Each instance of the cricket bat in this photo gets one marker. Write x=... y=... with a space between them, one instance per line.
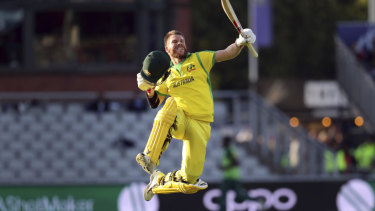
x=233 y=18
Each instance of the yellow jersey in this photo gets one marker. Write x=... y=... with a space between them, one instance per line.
x=189 y=84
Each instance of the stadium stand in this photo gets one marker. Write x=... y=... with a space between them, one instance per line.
x=62 y=142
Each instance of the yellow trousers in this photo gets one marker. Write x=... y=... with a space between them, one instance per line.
x=195 y=135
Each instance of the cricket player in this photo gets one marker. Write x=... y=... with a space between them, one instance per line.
x=187 y=112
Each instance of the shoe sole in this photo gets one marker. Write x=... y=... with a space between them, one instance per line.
x=143 y=163
x=147 y=193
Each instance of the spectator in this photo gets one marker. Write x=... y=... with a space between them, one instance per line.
x=365 y=154
x=345 y=160
x=231 y=171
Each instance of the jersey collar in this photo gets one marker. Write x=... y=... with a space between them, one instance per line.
x=178 y=66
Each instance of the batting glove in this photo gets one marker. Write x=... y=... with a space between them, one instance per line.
x=249 y=37
x=143 y=84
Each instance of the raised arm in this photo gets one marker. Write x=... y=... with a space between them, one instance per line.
x=228 y=53
x=235 y=48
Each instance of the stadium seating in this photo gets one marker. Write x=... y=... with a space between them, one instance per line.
x=62 y=142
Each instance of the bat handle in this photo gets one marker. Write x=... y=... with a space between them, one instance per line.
x=252 y=50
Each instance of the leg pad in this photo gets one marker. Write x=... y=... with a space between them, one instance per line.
x=160 y=130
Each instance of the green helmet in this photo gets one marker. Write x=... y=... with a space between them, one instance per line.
x=155 y=65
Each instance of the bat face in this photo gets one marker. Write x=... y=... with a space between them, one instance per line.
x=227 y=7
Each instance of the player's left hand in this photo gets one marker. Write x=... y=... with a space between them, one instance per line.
x=249 y=37
x=143 y=84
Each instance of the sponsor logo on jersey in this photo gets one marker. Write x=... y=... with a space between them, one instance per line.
x=183 y=82
x=190 y=67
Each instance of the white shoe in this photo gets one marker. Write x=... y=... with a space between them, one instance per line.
x=144 y=161
x=147 y=193
x=201 y=184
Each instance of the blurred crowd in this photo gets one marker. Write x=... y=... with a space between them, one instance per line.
x=348 y=153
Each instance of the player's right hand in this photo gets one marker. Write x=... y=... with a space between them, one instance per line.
x=249 y=37
x=143 y=84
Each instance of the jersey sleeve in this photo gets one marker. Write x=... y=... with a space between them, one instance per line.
x=162 y=90
x=207 y=59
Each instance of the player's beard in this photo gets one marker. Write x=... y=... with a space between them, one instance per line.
x=178 y=55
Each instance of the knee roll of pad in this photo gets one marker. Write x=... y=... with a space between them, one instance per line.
x=168 y=113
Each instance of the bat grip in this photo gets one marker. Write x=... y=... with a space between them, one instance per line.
x=249 y=45
x=252 y=50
